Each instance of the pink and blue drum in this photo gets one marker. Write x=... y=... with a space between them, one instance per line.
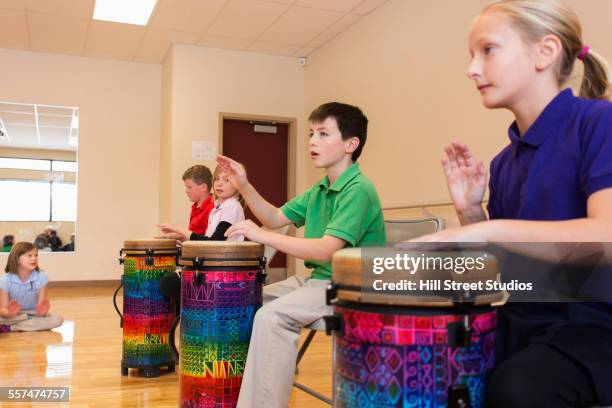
x=415 y=350
x=147 y=313
x=221 y=290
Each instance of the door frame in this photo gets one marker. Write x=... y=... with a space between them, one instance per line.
x=291 y=158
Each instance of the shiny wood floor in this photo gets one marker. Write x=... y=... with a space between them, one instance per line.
x=85 y=354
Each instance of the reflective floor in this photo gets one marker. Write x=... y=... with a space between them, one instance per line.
x=85 y=355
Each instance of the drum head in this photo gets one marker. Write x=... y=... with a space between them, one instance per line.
x=218 y=252
x=352 y=272
x=149 y=243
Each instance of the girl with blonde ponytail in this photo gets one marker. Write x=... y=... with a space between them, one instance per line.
x=552 y=183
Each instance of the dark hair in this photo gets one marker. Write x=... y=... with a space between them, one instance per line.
x=41 y=241
x=8 y=240
x=200 y=174
x=350 y=119
x=20 y=248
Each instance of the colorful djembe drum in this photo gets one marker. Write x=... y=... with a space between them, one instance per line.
x=221 y=289
x=413 y=350
x=147 y=313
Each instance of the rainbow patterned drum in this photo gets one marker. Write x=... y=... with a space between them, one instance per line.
x=147 y=313
x=221 y=289
x=409 y=350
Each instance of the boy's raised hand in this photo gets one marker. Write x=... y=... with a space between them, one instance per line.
x=13 y=308
x=43 y=307
x=234 y=170
x=465 y=177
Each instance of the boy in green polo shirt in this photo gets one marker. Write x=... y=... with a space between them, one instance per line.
x=341 y=210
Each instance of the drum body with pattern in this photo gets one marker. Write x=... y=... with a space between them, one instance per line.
x=411 y=350
x=147 y=313
x=221 y=290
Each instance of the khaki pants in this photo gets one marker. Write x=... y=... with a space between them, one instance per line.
x=288 y=306
x=23 y=322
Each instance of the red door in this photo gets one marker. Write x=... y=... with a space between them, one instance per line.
x=265 y=157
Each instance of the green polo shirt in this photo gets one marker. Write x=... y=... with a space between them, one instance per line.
x=349 y=209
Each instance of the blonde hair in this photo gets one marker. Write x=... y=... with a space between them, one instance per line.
x=218 y=170
x=20 y=248
x=538 y=18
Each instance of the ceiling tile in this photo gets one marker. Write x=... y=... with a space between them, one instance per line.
x=68 y=8
x=246 y=18
x=335 y=5
x=368 y=6
x=334 y=30
x=57 y=34
x=13 y=29
x=113 y=40
x=54 y=121
x=192 y=16
x=13 y=118
x=300 y=25
x=273 y=48
x=303 y=52
x=225 y=42
x=15 y=107
x=12 y=5
x=22 y=134
x=156 y=42
x=54 y=110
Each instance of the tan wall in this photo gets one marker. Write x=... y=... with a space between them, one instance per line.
x=405 y=66
x=165 y=168
x=200 y=83
x=120 y=107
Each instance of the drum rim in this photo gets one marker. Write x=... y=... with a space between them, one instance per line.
x=149 y=243
x=460 y=309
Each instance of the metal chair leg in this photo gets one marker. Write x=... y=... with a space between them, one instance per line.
x=299 y=386
x=304 y=346
x=313 y=393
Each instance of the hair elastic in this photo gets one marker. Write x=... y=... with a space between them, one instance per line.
x=584 y=52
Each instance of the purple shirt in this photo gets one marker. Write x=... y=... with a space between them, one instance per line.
x=548 y=174
x=564 y=157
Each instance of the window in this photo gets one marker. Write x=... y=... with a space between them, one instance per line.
x=44 y=199
x=69 y=166
x=24 y=164
x=63 y=202
x=33 y=199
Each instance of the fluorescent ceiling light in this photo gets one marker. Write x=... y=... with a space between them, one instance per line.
x=124 y=11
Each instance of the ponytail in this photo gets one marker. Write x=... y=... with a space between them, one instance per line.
x=596 y=81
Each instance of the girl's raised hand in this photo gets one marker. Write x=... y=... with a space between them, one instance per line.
x=167 y=228
x=13 y=308
x=234 y=170
x=168 y=231
x=43 y=307
x=465 y=177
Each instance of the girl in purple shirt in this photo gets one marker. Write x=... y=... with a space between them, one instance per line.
x=553 y=183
